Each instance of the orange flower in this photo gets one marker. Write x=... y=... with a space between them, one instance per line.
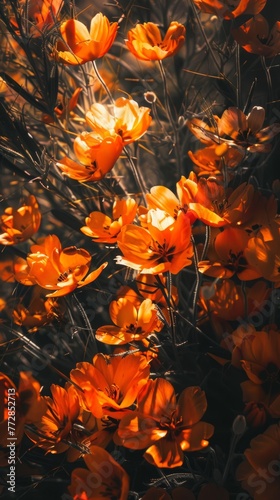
x=20 y=224
x=132 y=323
x=164 y=427
x=38 y=310
x=54 y=268
x=145 y=41
x=258 y=353
x=203 y=194
x=229 y=9
x=259 y=473
x=228 y=257
x=245 y=131
x=111 y=384
x=64 y=108
x=97 y=156
x=80 y=45
x=40 y=15
x=24 y=403
x=164 y=246
x=262 y=253
x=6 y=267
x=63 y=424
x=103 y=229
x=104 y=478
x=225 y=299
x=256 y=36
x=211 y=160
x=123 y=118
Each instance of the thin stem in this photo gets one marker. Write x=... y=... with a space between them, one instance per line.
x=268 y=80
x=137 y=176
x=238 y=76
x=172 y=121
x=198 y=280
x=100 y=79
x=205 y=37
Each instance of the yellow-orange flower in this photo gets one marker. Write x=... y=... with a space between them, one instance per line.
x=20 y=224
x=61 y=424
x=145 y=41
x=164 y=245
x=163 y=426
x=229 y=9
x=80 y=45
x=25 y=404
x=103 y=229
x=123 y=118
x=256 y=36
x=132 y=323
x=111 y=384
x=112 y=480
x=54 y=268
x=259 y=473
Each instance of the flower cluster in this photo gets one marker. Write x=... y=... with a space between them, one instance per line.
x=139 y=259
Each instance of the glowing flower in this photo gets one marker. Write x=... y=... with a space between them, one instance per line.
x=63 y=424
x=228 y=256
x=80 y=45
x=54 y=268
x=113 y=481
x=145 y=41
x=20 y=224
x=132 y=323
x=111 y=384
x=202 y=193
x=256 y=36
x=229 y=9
x=259 y=473
x=24 y=403
x=123 y=118
x=103 y=229
x=164 y=246
x=164 y=427
x=97 y=156
x=113 y=126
